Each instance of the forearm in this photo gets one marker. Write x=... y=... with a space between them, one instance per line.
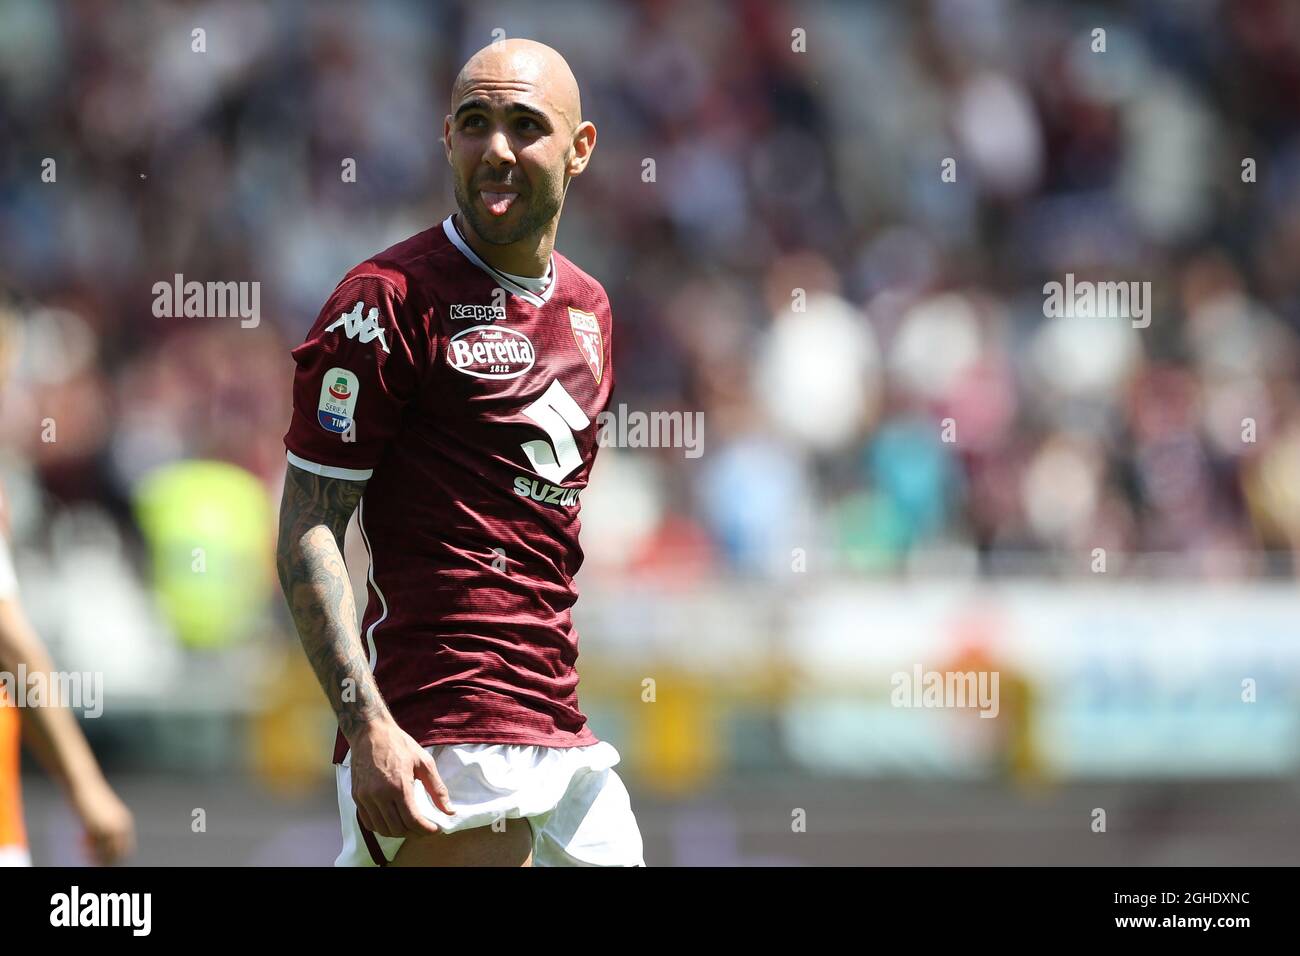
x=49 y=729
x=314 y=578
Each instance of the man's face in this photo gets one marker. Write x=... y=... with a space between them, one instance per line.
x=508 y=154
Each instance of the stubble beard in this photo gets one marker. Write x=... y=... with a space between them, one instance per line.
x=541 y=206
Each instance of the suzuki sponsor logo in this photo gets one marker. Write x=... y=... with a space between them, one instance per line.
x=546 y=493
x=494 y=352
x=477 y=313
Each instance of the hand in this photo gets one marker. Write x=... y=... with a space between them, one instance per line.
x=385 y=763
x=110 y=828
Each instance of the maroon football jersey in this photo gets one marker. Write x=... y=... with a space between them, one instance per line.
x=470 y=404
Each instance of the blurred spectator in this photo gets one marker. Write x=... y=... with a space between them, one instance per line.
x=919 y=295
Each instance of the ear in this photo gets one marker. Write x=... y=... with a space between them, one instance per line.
x=446 y=137
x=584 y=141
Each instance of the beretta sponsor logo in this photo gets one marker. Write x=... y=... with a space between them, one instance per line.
x=477 y=313
x=492 y=352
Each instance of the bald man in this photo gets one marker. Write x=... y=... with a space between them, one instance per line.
x=448 y=393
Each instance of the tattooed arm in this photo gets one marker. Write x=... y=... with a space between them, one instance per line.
x=314 y=514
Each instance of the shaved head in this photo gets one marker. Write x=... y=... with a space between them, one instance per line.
x=515 y=137
x=530 y=66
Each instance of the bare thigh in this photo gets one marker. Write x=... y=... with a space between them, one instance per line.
x=480 y=846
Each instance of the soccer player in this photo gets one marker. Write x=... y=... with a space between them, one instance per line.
x=56 y=740
x=448 y=393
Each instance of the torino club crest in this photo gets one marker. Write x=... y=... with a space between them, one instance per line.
x=586 y=332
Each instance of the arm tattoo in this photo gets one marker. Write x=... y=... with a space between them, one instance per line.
x=314 y=516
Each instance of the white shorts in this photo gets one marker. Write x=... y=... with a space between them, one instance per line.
x=15 y=856
x=578 y=808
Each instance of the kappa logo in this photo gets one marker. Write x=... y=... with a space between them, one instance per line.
x=586 y=332
x=366 y=329
x=477 y=313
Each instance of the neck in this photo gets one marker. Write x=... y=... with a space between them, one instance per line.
x=527 y=257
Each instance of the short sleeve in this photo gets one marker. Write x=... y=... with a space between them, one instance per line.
x=361 y=364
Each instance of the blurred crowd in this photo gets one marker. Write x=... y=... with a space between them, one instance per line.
x=838 y=256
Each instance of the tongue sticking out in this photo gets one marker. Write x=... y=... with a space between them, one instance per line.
x=497 y=203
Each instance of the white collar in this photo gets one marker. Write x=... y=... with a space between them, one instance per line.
x=534 y=284
x=515 y=285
